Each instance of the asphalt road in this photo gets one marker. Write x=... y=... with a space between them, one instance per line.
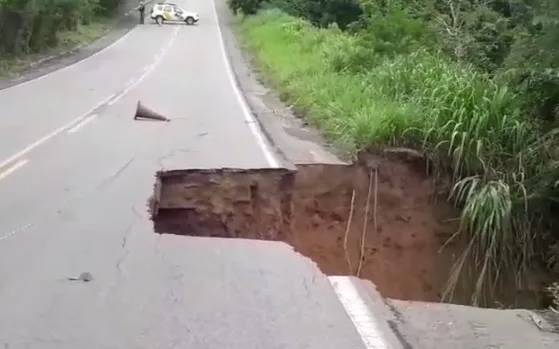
x=75 y=175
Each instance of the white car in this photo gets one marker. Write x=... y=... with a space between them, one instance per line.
x=167 y=12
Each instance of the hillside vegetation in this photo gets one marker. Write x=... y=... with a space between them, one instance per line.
x=33 y=26
x=472 y=84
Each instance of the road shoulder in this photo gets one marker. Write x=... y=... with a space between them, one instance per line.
x=293 y=138
x=62 y=58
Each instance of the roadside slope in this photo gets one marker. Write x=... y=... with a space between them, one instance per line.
x=332 y=101
x=57 y=58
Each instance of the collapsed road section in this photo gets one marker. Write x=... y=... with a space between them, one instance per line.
x=378 y=221
x=375 y=221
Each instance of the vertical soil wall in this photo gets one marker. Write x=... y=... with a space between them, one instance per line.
x=322 y=211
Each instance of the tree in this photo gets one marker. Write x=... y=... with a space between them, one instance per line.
x=247 y=7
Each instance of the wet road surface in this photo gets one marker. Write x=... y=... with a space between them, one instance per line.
x=75 y=175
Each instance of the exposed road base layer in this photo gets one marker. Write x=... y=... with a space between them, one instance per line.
x=322 y=211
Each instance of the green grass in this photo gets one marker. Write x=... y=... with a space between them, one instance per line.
x=502 y=166
x=85 y=34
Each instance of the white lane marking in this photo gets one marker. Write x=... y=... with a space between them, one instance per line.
x=52 y=134
x=359 y=313
x=12 y=169
x=116 y=99
x=109 y=100
x=130 y=82
x=81 y=61
x=14 y=232
x=82 y=123
x=148 y=69
x=253 y=125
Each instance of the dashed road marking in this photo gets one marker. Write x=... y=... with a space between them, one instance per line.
x=110 y=100
x=147 y=69
x=52 y=134
x=253 y=125
x=14 y=232
x=130 y=82
x=114 y=43
x=82 y=123
x=358 y=312
x=8 y=171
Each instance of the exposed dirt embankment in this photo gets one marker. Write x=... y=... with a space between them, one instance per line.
x=322 y=211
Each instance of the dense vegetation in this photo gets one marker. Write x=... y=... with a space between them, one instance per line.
x=474 y=84
x=31 y=26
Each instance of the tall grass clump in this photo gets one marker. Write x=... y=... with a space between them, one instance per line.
x=502 y=166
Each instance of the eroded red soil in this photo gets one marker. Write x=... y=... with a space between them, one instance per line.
x=310 y=209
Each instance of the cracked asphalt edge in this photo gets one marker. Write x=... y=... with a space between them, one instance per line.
x=112 y=177
x=124 y=246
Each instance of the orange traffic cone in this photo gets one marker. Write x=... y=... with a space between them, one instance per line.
x=143 y=112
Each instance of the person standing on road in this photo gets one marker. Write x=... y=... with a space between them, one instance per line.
x=142 y=9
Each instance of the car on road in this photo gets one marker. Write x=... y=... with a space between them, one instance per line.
x=169 y=12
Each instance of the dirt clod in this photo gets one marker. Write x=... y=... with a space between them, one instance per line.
x=396 y=236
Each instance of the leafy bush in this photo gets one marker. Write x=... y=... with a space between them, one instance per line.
x=322 y=13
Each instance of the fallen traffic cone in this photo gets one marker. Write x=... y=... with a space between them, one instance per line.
x=143 y=112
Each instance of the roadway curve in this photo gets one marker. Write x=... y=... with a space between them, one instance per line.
x=75 y=174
